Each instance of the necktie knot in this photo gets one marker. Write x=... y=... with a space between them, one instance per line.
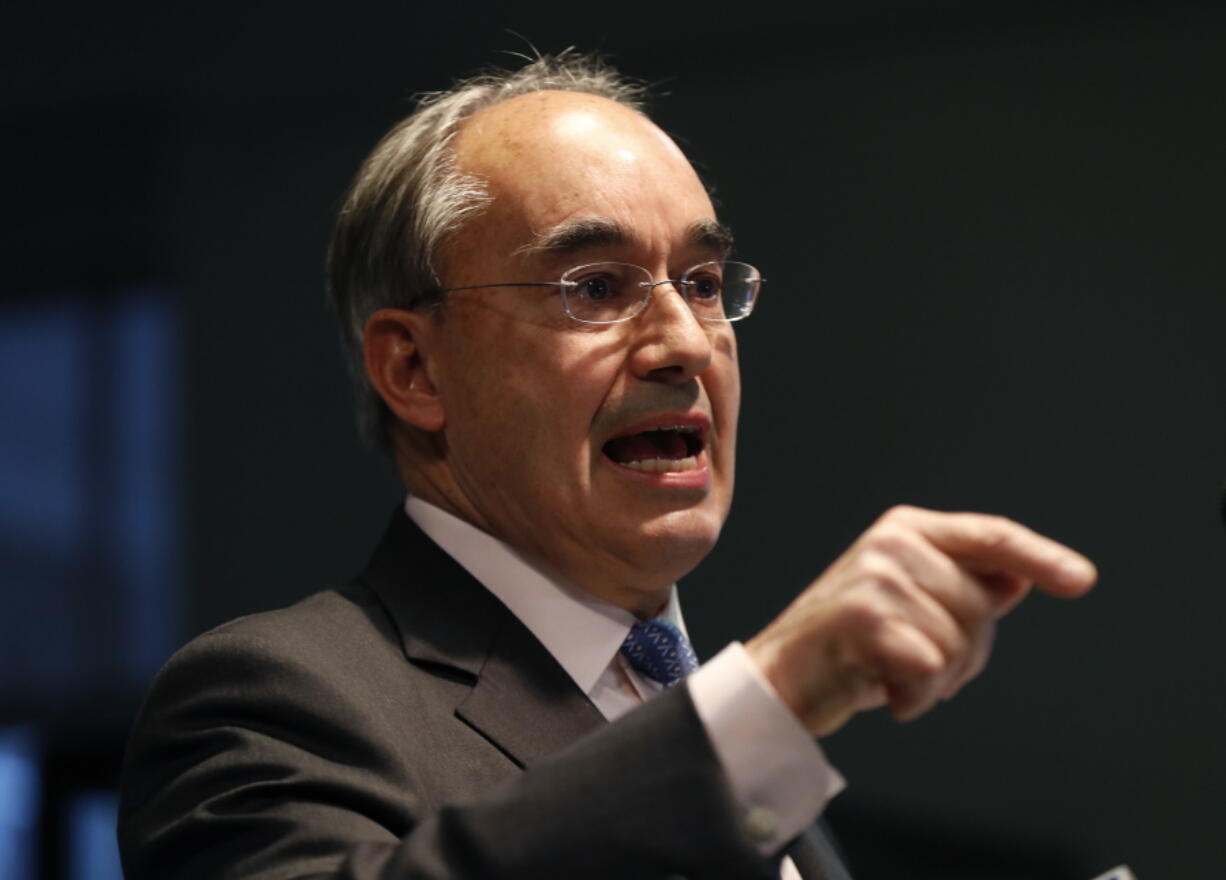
x=660 y=651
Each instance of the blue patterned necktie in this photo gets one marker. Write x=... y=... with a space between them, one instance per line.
x=660 y=651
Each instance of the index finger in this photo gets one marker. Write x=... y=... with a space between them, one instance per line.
x=996 y=545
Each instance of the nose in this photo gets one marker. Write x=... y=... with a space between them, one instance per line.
x=671 y=344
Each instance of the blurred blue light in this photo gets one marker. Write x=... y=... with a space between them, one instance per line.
x=41 y=466
x=145 y=419
x=20 y=802
x=93 y=851
x=89 y=525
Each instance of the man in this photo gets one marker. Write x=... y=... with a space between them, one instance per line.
x=538 y=298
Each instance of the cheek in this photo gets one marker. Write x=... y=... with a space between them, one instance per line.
x=532 y=396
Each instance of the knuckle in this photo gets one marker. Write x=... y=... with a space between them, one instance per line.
x=863 y=611
x=906 y=664
x=926 y=666
x=899 y=512
x=916 y=668
x=991 y=532
x=888 y=536
x=881 y=573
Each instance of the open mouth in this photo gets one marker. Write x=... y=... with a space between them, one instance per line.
x=658 y=451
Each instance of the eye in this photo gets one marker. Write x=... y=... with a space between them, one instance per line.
x=605 y=283
x=605 y=293
x=705 y=286
x=596 y=288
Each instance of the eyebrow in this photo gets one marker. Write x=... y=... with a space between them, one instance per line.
x=594 y=234
x=578 y=235
x=710 y=235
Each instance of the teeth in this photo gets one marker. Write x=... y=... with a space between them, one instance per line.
x=664 y=465
x=684 y=429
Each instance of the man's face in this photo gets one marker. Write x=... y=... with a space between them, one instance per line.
x=545 y=417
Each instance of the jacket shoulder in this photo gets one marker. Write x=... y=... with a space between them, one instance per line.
x=323 y=657
x=285 y=708
x=329 y=623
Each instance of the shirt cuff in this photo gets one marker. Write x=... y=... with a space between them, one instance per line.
x=778 y=772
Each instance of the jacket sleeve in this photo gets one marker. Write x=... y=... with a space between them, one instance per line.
x=246 y=763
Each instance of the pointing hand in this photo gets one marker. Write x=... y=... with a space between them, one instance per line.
x=907 y=615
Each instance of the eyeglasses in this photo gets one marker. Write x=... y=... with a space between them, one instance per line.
x=610 y=293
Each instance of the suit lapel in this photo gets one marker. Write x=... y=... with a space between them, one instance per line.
x=521 y=700
x=524 y=702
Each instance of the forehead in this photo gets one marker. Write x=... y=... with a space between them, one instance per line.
x=551 y=159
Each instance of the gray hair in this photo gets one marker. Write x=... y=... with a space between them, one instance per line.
x=408 y=197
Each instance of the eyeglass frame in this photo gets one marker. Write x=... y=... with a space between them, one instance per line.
x=679 y=284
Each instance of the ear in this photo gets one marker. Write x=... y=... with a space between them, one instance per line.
x=395 y=344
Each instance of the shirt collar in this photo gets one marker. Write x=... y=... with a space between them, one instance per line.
x=582 y=632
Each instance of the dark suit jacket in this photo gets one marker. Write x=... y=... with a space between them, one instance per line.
x=408 y=725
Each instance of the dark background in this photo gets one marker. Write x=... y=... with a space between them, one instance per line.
x=993 y=236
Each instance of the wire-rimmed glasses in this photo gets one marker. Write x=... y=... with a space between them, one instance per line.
x=610 y=293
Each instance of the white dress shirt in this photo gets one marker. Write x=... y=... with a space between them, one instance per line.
x=776 y=771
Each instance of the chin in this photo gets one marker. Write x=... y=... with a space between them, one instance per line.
x=673 y=544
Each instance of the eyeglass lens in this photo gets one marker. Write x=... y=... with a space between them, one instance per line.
x=606 y=293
